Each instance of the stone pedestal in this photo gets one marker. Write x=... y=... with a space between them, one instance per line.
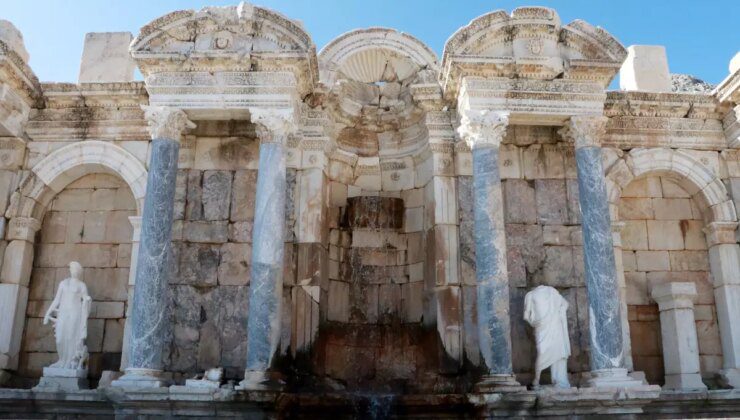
x=266 y=284
x=484 y=130
x=678 y=331
x=149 y=308
x=58 y=379
x=607 y=351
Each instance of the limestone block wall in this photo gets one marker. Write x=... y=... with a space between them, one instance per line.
x=86 y=222
x=543 y=238
x=212 y=236
x=663 y=241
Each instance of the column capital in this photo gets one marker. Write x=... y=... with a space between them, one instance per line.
x=676 y=295
x=274 y=125
x=23 y=228
x=584 y=130
x=720 y=233
x=483 y=128
x=166 y=122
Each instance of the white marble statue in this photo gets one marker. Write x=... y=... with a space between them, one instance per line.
x=71 y=305
x=545 y=310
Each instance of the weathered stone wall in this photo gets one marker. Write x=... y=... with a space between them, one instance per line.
x=86 y=222
x=662 y=242
x=543 y=236
x=212 y=236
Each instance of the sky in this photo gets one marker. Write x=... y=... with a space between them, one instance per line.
x=700 y=36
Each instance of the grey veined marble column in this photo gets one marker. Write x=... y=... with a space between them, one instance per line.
x=144 y=369
x=602 y=288
x=483 y=131
x=268 y=236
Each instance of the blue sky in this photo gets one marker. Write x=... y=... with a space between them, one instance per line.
x=700 y=36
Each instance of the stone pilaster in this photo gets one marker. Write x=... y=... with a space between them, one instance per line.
x=149 y=307
x=724 y=261
x=483 y=131
x=619 y=265
x=266 y=283
x=135 y=239
x=14 y=279
x=678 y=331
x=602 y=287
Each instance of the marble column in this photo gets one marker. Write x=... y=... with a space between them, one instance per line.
x=268 y=236
x=484 y=131
x=602 y=288
x=724 y=262
x=149 y=308
x=678 y=332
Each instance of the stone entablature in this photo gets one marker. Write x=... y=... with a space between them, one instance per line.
x=220 y=61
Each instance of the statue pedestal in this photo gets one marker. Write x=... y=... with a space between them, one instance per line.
x=61 y=379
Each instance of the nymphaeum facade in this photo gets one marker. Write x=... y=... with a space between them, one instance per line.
x=368 y=215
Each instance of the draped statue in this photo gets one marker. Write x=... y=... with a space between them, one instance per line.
x=545 y=310
x=71 y=307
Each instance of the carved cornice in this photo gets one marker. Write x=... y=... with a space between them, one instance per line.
x=166 y=122
x=15 y=70
x=483 y=128
x=584 y=130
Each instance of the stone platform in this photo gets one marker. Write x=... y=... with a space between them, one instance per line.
x=225 y=402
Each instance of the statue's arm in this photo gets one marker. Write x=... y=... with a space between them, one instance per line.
x=53 y=307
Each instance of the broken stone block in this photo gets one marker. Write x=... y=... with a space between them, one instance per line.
x=106 y=58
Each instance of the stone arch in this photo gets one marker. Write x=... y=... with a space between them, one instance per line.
x=691 y=174
x=31 y=200
x=59 y=168
x=694 y=263
x=363 y=54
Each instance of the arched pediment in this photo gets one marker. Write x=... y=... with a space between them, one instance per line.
x=242 y=29
x=374 y=55
x=530 y=43
x=218 y=61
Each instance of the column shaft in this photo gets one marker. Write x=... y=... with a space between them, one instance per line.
x=598 y=255
x=266 y=287
x=150 y=299
x=491 y=272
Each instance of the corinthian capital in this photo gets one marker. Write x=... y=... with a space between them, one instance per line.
x=483 y=128
x=274 y=125
x=166 y=122
x=584 y=130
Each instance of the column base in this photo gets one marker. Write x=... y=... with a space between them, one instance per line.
x=258 y=380
x=612 y=378
x=684 y=382
x=4 y=377
x=60 y=379
x=497 y=384
x=730 y=377
x=140 y=378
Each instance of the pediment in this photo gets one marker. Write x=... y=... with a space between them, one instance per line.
x=530 y=43
x=244 y=29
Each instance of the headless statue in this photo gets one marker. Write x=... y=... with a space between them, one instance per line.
x=71 y=306
x=545 y=310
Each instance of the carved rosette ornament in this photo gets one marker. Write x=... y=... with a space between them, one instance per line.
x=483 y=128
x=274 y=126
x=166 y=122
x=584 y=130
